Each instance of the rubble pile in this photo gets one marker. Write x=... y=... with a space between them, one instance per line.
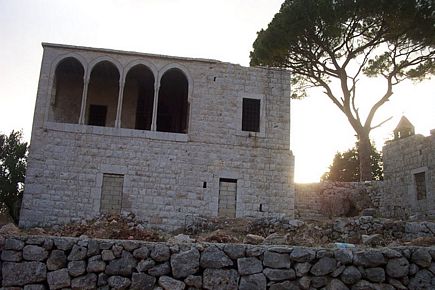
x=106 y=226
x=364 y=230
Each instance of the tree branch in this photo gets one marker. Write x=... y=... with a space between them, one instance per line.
x=381 y=123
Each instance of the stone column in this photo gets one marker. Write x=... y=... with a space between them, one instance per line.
x=120 y=100
x=84 y=100
x=155 y=105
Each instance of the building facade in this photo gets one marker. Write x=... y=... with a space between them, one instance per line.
x=162 y=137
x=409 y=173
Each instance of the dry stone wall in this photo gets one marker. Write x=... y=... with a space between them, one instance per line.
x=79 y=263
x=332 y=199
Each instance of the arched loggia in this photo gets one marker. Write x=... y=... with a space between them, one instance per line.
x=102 y=98
x=67 y=92
x=172 y=109
x=137 y=105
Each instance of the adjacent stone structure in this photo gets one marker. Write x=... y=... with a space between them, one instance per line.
x=155 y=135
x=141 y=265
x=408 y=188
x=330 y=199
x=409 y=170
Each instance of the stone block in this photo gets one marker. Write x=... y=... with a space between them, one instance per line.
x=185 y=263
x=248 y=266
x=276 y=260
x=58 y=279
x=220 y=279
x=20 y=274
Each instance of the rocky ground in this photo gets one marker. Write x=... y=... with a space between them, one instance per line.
x=339 y=232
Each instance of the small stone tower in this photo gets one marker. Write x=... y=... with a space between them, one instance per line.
x=404 y=129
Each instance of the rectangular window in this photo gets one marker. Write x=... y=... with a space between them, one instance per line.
x=251 y=115
x=97 y=115
x=420 y=185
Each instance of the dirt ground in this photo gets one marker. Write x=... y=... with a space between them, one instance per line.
x=224 y=230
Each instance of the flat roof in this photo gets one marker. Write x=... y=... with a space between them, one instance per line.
x=124 y=52
x=116 y=51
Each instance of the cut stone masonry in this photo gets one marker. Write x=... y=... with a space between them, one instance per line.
x=170 y=127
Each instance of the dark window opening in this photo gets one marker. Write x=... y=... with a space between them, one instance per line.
x=67 y=92
x=228 y=180
x=103 y=91
x=204 y=184
x=97 y=115
x=251 y=115
x=137 y=107
x=420 y=185
x=172 y=109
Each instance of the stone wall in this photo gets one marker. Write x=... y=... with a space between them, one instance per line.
x=403 y=160
x=332 y=199
x=57 y=263
x=166 y=176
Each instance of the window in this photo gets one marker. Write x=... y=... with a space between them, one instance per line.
x=251 y=115
x=97 y=115
x=420 y=185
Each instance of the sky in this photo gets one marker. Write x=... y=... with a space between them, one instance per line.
x=222 y=30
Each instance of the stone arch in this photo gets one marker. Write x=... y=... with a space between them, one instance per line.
x=184 y=70
x=103 y=91
x=100 y=59
x=138 y=97
x=67 y=83
x=146 y=63
x=173 y=99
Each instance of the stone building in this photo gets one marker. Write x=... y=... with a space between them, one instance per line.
x=162 y=137
x=409 y=172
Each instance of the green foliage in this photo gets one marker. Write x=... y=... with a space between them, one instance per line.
x=309 y=35
x=331 y=44
x=13 y=156
x=345 y=166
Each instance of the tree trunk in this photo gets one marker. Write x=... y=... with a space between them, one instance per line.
x=364 y=152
